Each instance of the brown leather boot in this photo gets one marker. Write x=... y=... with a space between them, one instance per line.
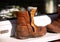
x=54 y=26
x=26 y=28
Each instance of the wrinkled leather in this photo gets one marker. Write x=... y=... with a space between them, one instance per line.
x=54 y=26
x=24 y=28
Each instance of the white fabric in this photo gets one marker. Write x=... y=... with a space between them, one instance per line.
x=42 y=20
x=5 y=25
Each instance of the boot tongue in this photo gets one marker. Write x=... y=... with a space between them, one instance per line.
x=42 y=20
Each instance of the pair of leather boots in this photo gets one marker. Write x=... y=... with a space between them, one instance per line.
x=26 y=27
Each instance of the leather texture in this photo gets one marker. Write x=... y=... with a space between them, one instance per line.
x=54 y=26
x=25 y=29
